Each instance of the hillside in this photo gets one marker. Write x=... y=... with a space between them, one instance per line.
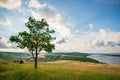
x=47 y=57
x=12 y=55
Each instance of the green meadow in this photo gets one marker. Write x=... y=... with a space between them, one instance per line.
x=58 y=70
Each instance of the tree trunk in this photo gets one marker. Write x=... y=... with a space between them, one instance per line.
x=36 y=55
x=36 y=62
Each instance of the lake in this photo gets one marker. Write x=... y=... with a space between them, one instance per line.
x=106 y=59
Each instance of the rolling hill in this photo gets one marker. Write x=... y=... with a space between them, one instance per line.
x=47 y=57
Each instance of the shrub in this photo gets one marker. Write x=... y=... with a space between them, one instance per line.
x=21 y=61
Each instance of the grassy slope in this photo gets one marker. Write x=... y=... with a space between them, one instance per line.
x=59 y=70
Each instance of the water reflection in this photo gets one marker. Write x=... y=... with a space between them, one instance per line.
x=106 y=59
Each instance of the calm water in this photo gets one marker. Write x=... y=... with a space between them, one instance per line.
x=106 y=59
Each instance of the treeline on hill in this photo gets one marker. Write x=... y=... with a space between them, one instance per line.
x=47 y=57
x=12 y=55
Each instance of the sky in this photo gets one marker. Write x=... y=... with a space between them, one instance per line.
x=89 y=26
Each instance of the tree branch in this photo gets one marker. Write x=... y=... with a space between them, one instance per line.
x=33 y=55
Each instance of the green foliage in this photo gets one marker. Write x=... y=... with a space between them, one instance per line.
x=37 y=39
x=39 y=36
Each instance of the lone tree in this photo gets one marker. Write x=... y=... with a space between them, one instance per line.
x=38 y=38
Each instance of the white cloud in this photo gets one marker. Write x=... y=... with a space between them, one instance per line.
x=36 y=4
x=4 y=43
x=7 y=46
x=54 y=19
x=10 y=4
x=6 y=22
x=26 y=20
x=11 y=50
x=103 y=41
x=90 y=26
x=103 y=31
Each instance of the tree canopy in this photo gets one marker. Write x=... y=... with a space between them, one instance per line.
x=38 y=37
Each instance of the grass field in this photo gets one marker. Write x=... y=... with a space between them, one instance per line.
x=58 y=70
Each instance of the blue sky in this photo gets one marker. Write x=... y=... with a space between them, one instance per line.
x=81 y=25
x=103 y=13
